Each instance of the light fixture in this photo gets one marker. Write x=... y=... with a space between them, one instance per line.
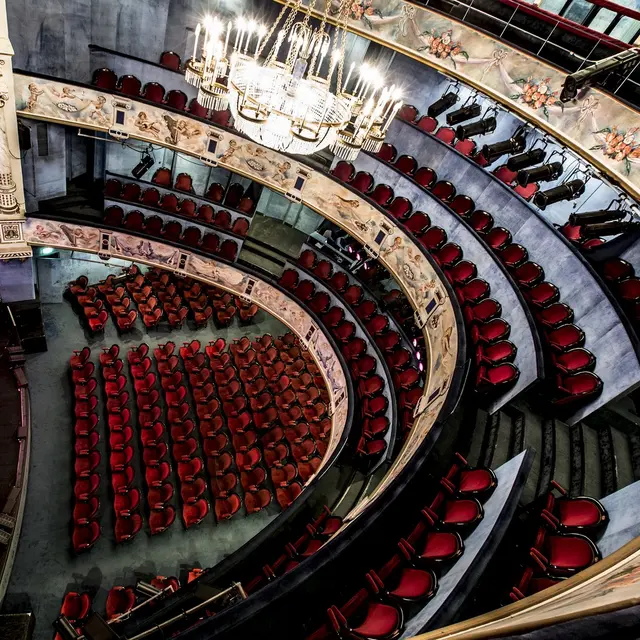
x=567 y=191
x=591 y=217
x=543 y=173
x=608 y=228
x=586 y=77
x=143 y=166
x=492 y=152
x=478 y=128
x=285 y=99
x=442 y=104
x=463 y=113
x=523 y=160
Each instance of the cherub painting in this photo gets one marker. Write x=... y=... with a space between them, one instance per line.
x=34 y=93
x=146 y=126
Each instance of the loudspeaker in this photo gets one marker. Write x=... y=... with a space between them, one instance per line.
x=142 y=167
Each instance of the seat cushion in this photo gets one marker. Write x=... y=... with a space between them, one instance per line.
x=475 y=480
x=578 y=513
x=440 y=545
x=413 y=584
x=381 y=620
x=460 y=511
x=568 y=552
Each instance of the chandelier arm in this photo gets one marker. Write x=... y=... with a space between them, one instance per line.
x=273 y=54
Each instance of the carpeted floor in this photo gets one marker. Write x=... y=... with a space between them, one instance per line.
x=45 y=567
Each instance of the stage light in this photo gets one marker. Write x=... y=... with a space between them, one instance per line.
x=591 y=217
x=478 y=128
x=66 y=630
x=441 y=105
x=566 y=191
x=143 y=166
x=590 y=75
x=515 y=163
x=607 y=228
x=492 y=152
x=543 y=173
x=464 y=113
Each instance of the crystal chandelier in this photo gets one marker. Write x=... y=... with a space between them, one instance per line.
x=284 y=100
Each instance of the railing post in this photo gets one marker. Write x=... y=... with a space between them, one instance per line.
x=509 y=21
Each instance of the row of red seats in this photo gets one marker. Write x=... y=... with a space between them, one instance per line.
x=621 y=278
x=86 y=526
x=573 y=233
x=467 y=147
x=135 y=220
x=369 y=389
x=120 y=600
x=87 y=304
x=411 y=574
x=315 y=535
x=564 y=541
x=169 y=203
x=495 y=368
x=129 y=85
x=235 y=196
x=574 y=381
x=126 y=501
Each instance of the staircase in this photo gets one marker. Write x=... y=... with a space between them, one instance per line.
x=595 y=457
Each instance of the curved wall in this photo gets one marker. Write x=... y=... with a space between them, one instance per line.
x=85 y=107
x=502 y=72
x=64 y=235
x=596 y=312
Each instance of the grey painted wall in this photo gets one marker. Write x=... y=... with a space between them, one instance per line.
x=606 y=336
x=502 y=288
x=16 y=280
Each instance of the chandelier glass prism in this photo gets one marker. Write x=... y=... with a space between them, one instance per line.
x=286 y=99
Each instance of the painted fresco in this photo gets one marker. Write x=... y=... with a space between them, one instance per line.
x=122 y=245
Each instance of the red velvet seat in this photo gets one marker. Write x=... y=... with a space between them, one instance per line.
x=134 y=221
x=504 y=174
x=417 y=223
x=194 y=514
x=629 y=290
x=462 y=272
x=257 y=501
x=497 y=353
x=566 y=337
x=514 y=255
x=176 y=99
x=215 y=192
x=160 y=521
x=153 y=92
x=563 y=555
x=286 y=495
x=468 y=480
x=406 y=164
x=362 y=181
x=113 y=216
x=85 y=488
x=498 y=238
x=466 y=147
x=462 y=205
x=448 y=255
x=85 y=536
x=387 y=153
x=578 y=515
x=113 y=188
x=400 y=208
x=119 y=601
x=434 y=238
x=323 y=269
x=427 y=123
x=443 y=190
x=481 y=221
x=382 y=194
x=574 y=360
x=344 y=331
x=483 y=311
x=153 y=225
x=129 y=85
x=196 y=109
x=402 y=583
x=426 y=177
x=226 y=508
x=353 y=295
x=376 y=620
x=127 y=528
x=344 y=171
x=191 y=236
x=75 y=606
x=169 y=202
x=530 y=584
x=234 y=195
x=529 y=274
x=85 y=511
x=223 y=484
x=222 y=219
x=408 y=113
x=617 y=269
x=543 y=294
x=104 y=79
x=577 y=387
x=490 y=378
x=473 y=291
x=446 y=134
x=162 y=177
x=240 y=226
x=170 y=60
x=188 y=207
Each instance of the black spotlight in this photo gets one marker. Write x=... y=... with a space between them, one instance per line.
x=143 y=166
x=515 y=163
x=464 y=113
x=607 y=228
x=591 y=217
x=567 y=191
x=441 y=105
x=493 y=151
x=478 y=128
x=543 y=173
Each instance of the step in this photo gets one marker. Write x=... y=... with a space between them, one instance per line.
x=592 y=472
x=7 y=521
x=477 y=438
x=562 y=468
x=261 y=262
x=576 y=487
x=502 y=446
x=634 y=444
x=608 y=471
x=517 y=432
x=622 y=452
x=490 y=438
x=547 y=455
x=532 y=441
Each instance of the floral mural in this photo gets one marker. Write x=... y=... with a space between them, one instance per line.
x=537 y=94
x=441 y=45
x=619 y=145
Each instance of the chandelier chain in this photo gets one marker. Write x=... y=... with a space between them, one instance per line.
x=285 y=28
x=344 y=12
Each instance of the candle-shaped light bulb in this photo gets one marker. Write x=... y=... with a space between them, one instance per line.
x=262 y=32
x=195 y=42
x=226 y=40
x=346 y=84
